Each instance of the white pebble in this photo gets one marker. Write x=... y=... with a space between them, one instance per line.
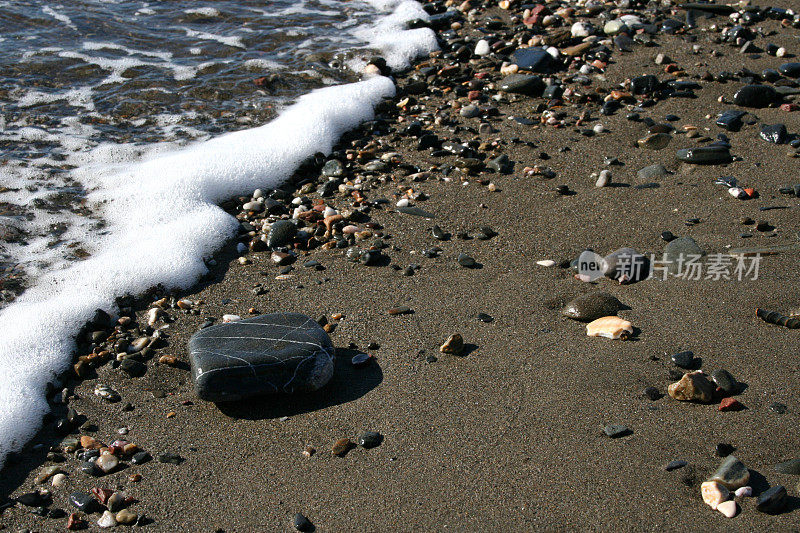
x=743 y=492
x=604 y=179
x=581 y=29
x=728 y=508
x=329 y=212
x=482 y=48
x=58 y=480
x=780 y=52
x=599 y=128
x=230 y=318
x=403 y=202
x=553 y=51
x=107 y=520
x=152 y=315
x=546 y=263
x=258 y=193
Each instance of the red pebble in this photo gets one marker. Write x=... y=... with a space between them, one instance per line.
x=790 y=107
x=102 y=495
x=473 y=95
x=75 y=522
x=730 y=404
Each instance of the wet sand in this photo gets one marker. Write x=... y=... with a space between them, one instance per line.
x=508 y=436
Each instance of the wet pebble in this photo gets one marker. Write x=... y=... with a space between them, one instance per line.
x=370 y=439
x=675 y=465
x=589 y=307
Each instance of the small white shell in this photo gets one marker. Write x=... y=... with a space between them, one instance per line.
x=230 y=318
x=610 y=327
x=546 y=263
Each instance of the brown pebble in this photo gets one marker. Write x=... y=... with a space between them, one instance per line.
x=329 y=327
x=453 y=345
x=342 y=446
x=309 y=451
x=135 y=478
x=171 y=414
x=90 y=443
x=337 y=316
x=168 y=360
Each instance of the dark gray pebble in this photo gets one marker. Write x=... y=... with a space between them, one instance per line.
x=676 y=464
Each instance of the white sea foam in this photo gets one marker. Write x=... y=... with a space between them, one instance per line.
x=47 y=10
x=209 y=12
x=233 y=40
x=160 y=205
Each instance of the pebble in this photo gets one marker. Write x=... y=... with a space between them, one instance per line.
x=772 y=500
x=466 y=261
x=281 y=233
x=652 y=394
x=454 y=345
x=730 y=404
x=140 y=458
x=400 y=310
x=58 y=480
x=679 y=251
x=705 y=155
x=604 y=179
x=126 y=517
x=652 y=172
x=725 y=381
x=714 y=493
x=731 y=473
x=225 y=366
x=791 y=70
x=547 y=263
x=616 y=431
x=755 y=96
x=684 y=359
x=655 y=141
x=728 y=508
x=483 y=317
x=626 y=265
x=482 y=48
x=83 y=502
x=744 y=492
x=107 y=520
x=676 y=464
x=370 y=439
x=525 y=84
x=341 y=447
x=693 y=386
x=730 y=120
x=791 y=467
x=774 y=133
x=534 y=59
x=107 y=393
x=301 y=523
x=107 y=463
x=589 y=307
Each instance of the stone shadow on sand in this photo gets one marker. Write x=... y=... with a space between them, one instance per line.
x=348 y=383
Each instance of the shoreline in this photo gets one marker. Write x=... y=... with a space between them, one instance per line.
x=511 y=433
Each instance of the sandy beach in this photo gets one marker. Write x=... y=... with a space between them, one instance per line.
x=509 y=435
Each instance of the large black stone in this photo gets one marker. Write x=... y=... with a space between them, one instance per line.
x=522 y=84
x=280 y=352
x=705 y=155
x=534 y=59
x=755 y=96
x=790 y=69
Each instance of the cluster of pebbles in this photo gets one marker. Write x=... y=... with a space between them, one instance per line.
x=496 y=58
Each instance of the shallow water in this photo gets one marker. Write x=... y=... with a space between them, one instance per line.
x=89 y=73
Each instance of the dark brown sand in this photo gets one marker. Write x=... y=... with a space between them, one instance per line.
x=508 y=437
